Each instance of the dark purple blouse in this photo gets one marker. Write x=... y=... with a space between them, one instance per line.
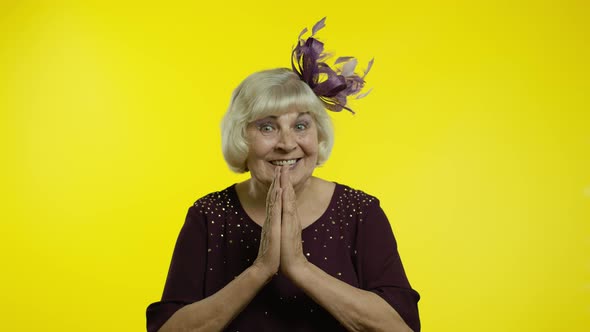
x=352 y=241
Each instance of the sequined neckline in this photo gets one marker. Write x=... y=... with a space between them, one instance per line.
x=337 y=192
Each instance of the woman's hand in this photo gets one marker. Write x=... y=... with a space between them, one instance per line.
x=292 y=257
x=280 y=241
x=270 y=240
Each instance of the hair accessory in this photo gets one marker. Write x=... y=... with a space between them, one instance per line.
x=307 y=60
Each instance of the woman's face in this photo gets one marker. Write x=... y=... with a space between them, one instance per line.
x=289 y=138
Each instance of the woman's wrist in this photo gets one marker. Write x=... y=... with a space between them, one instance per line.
x=299 y=271
x=260 y=270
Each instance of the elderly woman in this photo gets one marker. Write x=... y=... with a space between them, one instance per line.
x=284 y=250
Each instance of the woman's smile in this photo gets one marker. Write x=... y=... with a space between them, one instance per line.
x=284 y=162
x=289 y=139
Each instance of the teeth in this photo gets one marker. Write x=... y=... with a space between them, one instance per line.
x=284 y=162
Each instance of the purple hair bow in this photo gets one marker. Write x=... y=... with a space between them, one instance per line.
x=307 y=60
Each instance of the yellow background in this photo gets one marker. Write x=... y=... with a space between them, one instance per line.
x=476 y=138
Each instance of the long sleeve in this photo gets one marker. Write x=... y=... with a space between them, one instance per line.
x=185 y=281
x=380 y=269
x=352 y=241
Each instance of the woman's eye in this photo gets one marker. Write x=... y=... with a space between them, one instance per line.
x=301 y=126
x=266 y=128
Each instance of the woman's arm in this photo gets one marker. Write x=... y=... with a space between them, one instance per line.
x=218 y=310
x=356 y=309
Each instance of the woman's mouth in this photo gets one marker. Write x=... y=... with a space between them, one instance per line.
x=285 y=162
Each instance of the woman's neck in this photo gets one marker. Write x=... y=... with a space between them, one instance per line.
x=257 y=191
x=311 y=200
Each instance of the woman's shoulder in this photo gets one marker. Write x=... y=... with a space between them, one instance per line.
x=216 y=199
x=355 y=196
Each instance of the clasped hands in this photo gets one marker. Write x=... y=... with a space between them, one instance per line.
x=280 y=241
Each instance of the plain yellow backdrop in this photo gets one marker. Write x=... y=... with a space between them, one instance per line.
x=476 y=138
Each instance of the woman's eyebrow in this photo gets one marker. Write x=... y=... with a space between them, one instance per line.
x=274 y=117
x=265 y=119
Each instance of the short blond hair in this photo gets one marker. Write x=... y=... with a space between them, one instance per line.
x=264 y=93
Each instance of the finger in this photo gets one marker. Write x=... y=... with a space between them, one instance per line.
x=288 y=197
x=284 y=179
x=274 y=221
x=271 y=188
x=272 y=227
x=276 y=202
x=277 y=178
x=277 y=208
x=272 y=191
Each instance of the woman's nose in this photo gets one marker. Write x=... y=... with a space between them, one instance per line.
x=286 y=141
